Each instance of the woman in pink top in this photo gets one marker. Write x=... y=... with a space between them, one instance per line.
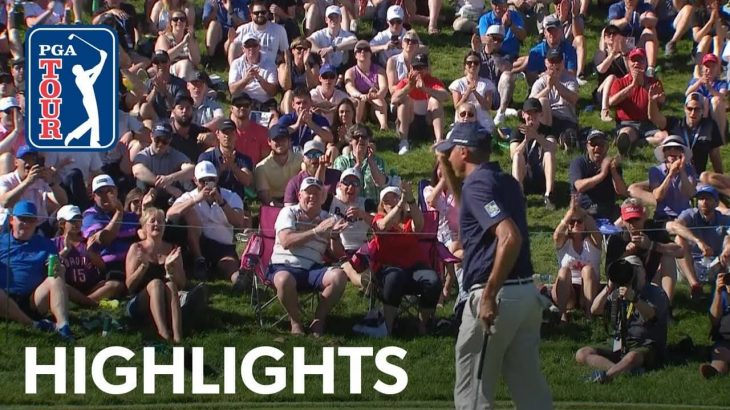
x=438 y=198
x=366 y=84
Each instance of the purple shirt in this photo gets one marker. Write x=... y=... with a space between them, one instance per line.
x=331 y=178
x=674 y=201
x=96 y=219
x=80 y=272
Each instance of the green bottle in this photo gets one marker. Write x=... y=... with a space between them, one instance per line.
x=52 y=262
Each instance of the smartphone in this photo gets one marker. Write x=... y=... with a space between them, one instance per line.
x=210 y=184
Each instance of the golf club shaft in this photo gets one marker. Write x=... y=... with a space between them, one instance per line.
x=86 y=42
x=482 y=354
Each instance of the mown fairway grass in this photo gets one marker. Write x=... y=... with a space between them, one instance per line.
x=429 y=362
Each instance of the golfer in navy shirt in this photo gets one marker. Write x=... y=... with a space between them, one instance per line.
x=498 y=276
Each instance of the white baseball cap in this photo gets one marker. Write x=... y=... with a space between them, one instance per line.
x=100 y=181
x=386 y=191
x=495 y=29
x=395 y=12
x=309 y=181
x=350 y=172
x=8 y=102
x=333 y=10
x=313 y=145
x=205 y=169
x=68 y=212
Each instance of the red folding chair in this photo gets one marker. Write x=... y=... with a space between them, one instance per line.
x=255 y=259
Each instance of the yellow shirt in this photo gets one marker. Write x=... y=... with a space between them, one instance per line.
x=272 y=177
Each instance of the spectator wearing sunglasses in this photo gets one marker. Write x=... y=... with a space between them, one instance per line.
x=367 y=86
x=250 y=74
x=387 y=43
x=314 y=166
x=514 y=27
x=251 y=138
x=362 y=158
x=326 y=97
x=271 y=36
x=497 y=68
x=474 y=89
x=300 y=68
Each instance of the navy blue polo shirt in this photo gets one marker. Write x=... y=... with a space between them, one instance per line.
x=303 y=133
x=226 y=179
x=536 y=59
x=490 y=196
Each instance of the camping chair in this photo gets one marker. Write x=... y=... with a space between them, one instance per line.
x=256 y=258
x=422 y=184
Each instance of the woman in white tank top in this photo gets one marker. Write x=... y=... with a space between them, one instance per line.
x=578 y=245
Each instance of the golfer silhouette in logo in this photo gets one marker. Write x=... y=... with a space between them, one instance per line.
x=85 y=80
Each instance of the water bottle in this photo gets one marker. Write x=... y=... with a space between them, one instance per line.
x=394 y=179
x=705 y=264
x=19 y=13
x=107 y=327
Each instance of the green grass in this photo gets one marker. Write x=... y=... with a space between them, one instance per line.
x=429 y=362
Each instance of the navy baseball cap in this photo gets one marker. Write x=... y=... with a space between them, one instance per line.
x=707 y=190
x=227 y=125
x=25 y=208
x=325 y=69
x=278 y=131
x=467 y=134
x=163 y=130
x=25 y=150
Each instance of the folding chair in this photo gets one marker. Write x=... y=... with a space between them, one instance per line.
x=256 y=258
x=422 y=184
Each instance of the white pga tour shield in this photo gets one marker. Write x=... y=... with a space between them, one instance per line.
x=71 y=89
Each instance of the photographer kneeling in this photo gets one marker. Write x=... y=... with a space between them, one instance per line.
x=639 y=312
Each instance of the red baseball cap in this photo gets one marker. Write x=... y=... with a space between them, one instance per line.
x=637 y=52
x=631 y=211
x=710 y=58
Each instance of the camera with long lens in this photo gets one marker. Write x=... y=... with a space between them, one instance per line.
x=621 y=272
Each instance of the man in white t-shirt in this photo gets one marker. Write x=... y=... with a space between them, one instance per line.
x=303 y=234
x=272 y=36
x=387 y=43
x=76 y=169
x=332 y=42
x=251 y=75
x=211 y=213
x=34 y=182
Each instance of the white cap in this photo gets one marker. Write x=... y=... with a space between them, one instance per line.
x=332 y=10
x=100 y=181
x=395 y=12
x=495 y=29
x=309 y=181
x=249 y=36
x=350 y=172
x=313 y=145
x=205 y=169
x=68 y=212
x=672 y=141
x=8 y=102
x=388 y=190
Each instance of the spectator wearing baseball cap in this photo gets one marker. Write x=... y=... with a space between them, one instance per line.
x=314 y=166
x=497 y=68
x=366 y=84
x=554 y=40
x=557 y=90
x=272 y=36
x=672 y=182
x=17 y=69
x=699 y=132
x=632 y=102
x=573 y=26
x=641 y=26
x=32 y=181
x=611 y=63
x=701 y=232
x=331 y=41
x=326 y=97
x=273 y=173
x=235 y=170
x=514 y=27
x=252 y=139
x=362 y=157
x=218 y=211
x=301 y=68
x=32 y=293
x=713 y=88
x=253 y=76
x=188 y=137
x=206 y=109
x=387 y=42
x=426 y=106
x=162 y=88
x=163 y=167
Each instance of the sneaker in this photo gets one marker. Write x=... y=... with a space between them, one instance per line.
x=499 y=118
x=194 y=301
x=549 y=204
x=377 y=332
x=200 y=270
x=65 y=333
x=707 y=371
x=44 y=325
x=582 y=82
x=243 y=282
x=623 y=143
x=670 y=49
x=510 y=112
x=353 y=26
x=650 y=71
x=598 y=376
x=403 y=147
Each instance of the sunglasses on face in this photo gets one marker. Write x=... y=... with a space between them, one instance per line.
x=411 y=41
x=465 y=114
x=329 y=76
x=251 y=46
x=178 y=19
x=471 y=63
x=362 y=50
x=313 y=155
x=693 y=109
x=259 y=12
x=396 y=21
x=576 y=221
x=596 y=144
x=353 y=183
x=104 y=191
x=206 y=180
x=496 y=39
x=27 y=219
x=243 y=106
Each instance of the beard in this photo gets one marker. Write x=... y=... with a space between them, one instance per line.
x=184 y=121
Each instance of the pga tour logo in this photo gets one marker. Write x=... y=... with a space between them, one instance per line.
x=71 y=88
